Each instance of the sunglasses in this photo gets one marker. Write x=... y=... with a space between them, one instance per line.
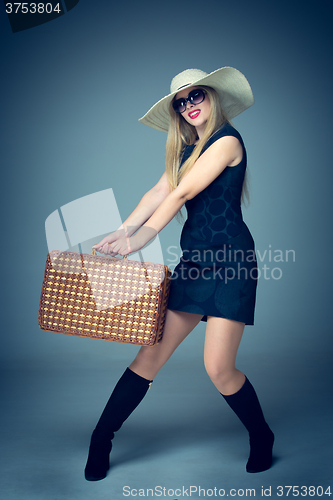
x=196 y=96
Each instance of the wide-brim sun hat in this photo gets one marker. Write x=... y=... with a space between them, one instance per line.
x=231 y=85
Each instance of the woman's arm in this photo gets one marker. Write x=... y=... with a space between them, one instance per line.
x=226 y=151
x=145 y=208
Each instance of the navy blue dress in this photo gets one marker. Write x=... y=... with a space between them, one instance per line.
x=217 y=272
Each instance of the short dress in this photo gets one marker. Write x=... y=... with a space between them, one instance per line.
x=217 y=273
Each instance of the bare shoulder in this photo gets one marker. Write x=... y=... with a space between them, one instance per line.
x=227 y=146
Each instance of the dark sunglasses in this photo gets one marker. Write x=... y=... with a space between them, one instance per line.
x=196 y=96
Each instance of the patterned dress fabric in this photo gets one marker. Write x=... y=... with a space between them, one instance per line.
x=217 y=272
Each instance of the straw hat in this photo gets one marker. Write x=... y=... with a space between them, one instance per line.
x=231 y=85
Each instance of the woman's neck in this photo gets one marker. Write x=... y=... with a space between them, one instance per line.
x=200 y=130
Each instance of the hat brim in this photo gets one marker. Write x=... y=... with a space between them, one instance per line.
x=231 y=85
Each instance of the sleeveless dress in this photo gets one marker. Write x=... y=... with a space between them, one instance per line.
x=217 y=272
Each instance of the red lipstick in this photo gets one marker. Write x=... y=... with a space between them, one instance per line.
x=194 y=113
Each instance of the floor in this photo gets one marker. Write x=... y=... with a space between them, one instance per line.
x=182 y=441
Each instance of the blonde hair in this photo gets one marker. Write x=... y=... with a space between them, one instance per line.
x=181 y=134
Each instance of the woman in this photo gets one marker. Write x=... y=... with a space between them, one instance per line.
x=215 y=280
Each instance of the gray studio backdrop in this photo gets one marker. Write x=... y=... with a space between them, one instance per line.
x=72 y=92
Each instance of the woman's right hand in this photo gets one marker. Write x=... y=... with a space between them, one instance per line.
x=104 y=245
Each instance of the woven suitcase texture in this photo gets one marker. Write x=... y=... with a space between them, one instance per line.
x=105 y=298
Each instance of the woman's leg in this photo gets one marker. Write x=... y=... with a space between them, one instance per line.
x=222 y=340
x=131 y=389
x=150 y=359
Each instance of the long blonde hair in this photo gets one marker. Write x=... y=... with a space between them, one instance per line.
x=181 y=134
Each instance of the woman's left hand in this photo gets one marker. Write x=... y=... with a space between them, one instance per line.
x=124 y=244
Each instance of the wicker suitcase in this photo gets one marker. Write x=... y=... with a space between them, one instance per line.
x=104 y=298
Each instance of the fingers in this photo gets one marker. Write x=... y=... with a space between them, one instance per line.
x=117 y=243
x=108 y=250
x=112 y=249
x=118 y=248
x=107 y=239
x=111 y=238
x=104 y=247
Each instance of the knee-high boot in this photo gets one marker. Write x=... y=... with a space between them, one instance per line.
x=246 y=405
x=127 y=394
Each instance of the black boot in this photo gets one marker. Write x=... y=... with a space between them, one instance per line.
x=246 y=405
x=128 y=393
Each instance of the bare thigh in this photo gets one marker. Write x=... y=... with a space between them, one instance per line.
x=222 y=340
x=150 y=359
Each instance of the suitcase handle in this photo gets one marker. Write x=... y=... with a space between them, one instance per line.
x=93 y=252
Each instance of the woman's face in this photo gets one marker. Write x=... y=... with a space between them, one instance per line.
x=195 y=114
